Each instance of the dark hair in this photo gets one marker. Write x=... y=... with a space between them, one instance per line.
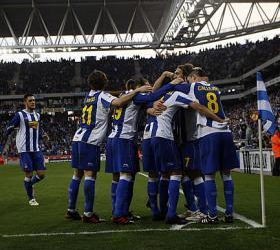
x=26 y=96
x=186 y=68
x=198 y=72
x=97 y=80
x=133 y=83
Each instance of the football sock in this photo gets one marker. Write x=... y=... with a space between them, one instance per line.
x=28 y=188
x=211 y=194
x=129 y=198
x=153 y=193
x=122 y=195
x=187 y=187
x=228 y=193
x=173 y=195
x=73 y=191
x=199 y=190
x=113 y=194
x=89 y=193
x=163 y=194
x=35 y=179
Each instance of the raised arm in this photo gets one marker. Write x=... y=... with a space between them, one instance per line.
x=124 y=99
x=159 y=81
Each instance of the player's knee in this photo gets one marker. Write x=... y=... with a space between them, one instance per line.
x=226 y=176
x=116 y=177
x=78 y=173
x=41 y=175
x=126 y=174
x=90 y=173
x=209 y=177
x=153 y=175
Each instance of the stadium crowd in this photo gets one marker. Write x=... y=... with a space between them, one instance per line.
x=54 y=76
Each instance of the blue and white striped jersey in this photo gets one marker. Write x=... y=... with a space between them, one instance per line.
x=208 y=95
x=94 y=119
x=162 y=126
x=124 y=123
x=28 y=125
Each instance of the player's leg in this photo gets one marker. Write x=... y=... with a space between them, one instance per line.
x=126 y=166
x=210 y=152
x=73 y=188
x=230 y=161
x=199 y=191
x=26 y=165
x=111 y=166
x=89 y=162
x=149 y=166
x=73 y=191
x=39 y=166
x=228 y=194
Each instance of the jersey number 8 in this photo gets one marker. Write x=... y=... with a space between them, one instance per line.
x=212 y=102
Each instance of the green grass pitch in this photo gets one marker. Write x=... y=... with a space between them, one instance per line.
x=17 y=217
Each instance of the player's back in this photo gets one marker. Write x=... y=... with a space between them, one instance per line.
x=94 y=119
x=124 y=124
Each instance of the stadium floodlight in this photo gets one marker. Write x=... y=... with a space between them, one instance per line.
x=40 y=50
x=64 y=50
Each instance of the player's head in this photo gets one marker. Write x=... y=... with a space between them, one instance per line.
x=197 y=74
x=97 y=80
x=183 y=70
x=29 y=102
x=136 y=83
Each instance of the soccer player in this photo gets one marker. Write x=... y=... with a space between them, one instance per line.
x=87 y=140
x=27 y=124
x=167 y=156
x=122 y=149
x=217 y=151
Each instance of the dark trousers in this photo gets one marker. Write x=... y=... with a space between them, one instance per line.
x=276 y=168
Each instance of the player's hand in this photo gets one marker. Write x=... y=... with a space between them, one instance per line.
x=177 y=81
x=144 y=89
x=158 y=105
x=168 y=74
x=45 y=137
x=154 y=112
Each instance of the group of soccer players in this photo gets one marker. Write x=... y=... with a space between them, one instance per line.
x=189 y=155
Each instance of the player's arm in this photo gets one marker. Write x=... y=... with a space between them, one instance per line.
x=151 y=97
x=14 y=123
x=124 y=99
x=159 y=81
x=206 y=112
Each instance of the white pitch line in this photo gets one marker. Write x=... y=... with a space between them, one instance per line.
x=235 y=215
x=125 y=231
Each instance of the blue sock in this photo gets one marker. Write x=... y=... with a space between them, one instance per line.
x=122 y=195
x=199 y=190
x=173 y=195
x=187 y=187
x=89 y=194
x=35 y=179
x=28 y=188
x=73 y=192
x=153 y=193
x=211 y=194
x=129 y=198
x=228 y=193
x=113 y=194
x=163 y=194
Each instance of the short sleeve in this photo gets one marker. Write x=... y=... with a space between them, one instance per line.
x=106 y=99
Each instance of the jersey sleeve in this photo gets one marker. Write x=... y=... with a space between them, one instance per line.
x=142 y=99
x=185 y=88
x=181 y=99
x=106 y=99
x=15 y=122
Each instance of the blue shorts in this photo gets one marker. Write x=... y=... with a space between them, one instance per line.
x=32 y=161
x=191 y=155
x=85 y=156
x=111 y=156
x=167 y=156
x=148 y=158
x=217 y=153
x=127 y=158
